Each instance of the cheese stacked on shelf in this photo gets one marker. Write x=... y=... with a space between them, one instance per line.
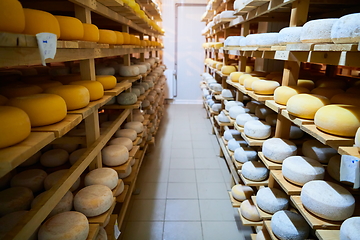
x=12 y=17
x=70 y=28
x=37 y=21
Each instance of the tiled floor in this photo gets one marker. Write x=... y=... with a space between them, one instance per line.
x=184 y=185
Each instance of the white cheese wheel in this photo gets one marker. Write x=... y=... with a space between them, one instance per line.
x=241 y=192
x=350 y=229
x=271 y=200
x=232 y=41
x=114 y=155
x=104 y=70
x=54 y=177
x=216 y=107
x=277 y=149
x=289 y=225
x=128 y=71
x=142 y=68
x=333 y=167
x=121 y=188
x=137 y=126
x=271 y=119
x=69 y=225
x=268 y=39
x=346 y=98
x=283 y=93
x=252 y=39
x=289 y=35
x=227 y=14
x=231 y=133
x=74 y=156
x=122 y=141
x=241 y=119
x=327 y=200
x=136 y=91
x=233 y=144
x=248 y=83
x=252 y=106
x=31 y=160
x=230 y=104
x=103 y=176
x=226 y=93
x=346 y=29
x=128 y=133
x=216 y=87
x=15 y=199
x=228 y=69
x=243 y=77
x=145 y=103
x=141 y=88
x=65 y=204
x=249 y=211
x=317 y=31
x=262 y=111
x=54 y=158
x=125 y=174
x=245 y=154
x=93 y=200
x=32 y=179
x=236 y=110
x=255 y=171
x=257 y=129
x=264 y=87
x=310 y=104
x=300 y=170
x=318 y=151
x=327 y=91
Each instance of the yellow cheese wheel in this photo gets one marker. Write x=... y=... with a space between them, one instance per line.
x=42 y=109
x=107 y=36
x=37 y=21
x=213 y=64
x=338 y=119
x=70 y=28
x=332 y=83
x=20 y=90
x=264 y=87
x=126 y=38
x=243 y=77
x=248 y=69
x=95 y=88
x=12 y=18
x=248 y=82
x=234 y=76
x=283 y=93
x=14 y=126
x=228 y=69
x=119 y=37
x=108 y=81
x=75 y=96
x=346 y=98
x=306 y=105
x=3 y=100
x=48 y=84
x=91 y=32
x=305 y=83
x=327 y=92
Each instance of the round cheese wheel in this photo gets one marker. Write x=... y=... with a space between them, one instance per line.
x=42 y=109
x=54 y=177
x=228 y=69
x=93 y=200
x=138 y=118
x=75 y=96
x=234 y=76
x=15 y=199
x=74 y=156
x=9 y=221
x=226 y=93
x=12 y=18
x=255 y=171
x=69 y=225
x=310 y=104
x=128 y=71
x=95 y=88
x=31 y=160
x=91 y=32
x=262 y=111
x=318 y=151
x=345 y=30
x=350 y=229
x=104 y=70
x=289 y=35
x=65 y=204
x=32 y=179
x=20 y=90
x=125 y=174
x=231 y=133
x=14 y=126
x=121 y=188
x=289 y=225
x=47 y=84
x=108 y=81
x=241 y=119
x=277 y=149
x=257 y=129
x=241 y=192
x=102 y=176
x=122 y=141
x=119 y=37
x=346 y=98
x=102 y=235
x=37 y=21
x=137 y=126
x=115 y=155
x=300 y=170
x=230 y=104
x=126 y=98
x=245 y=154
x=243 y=77
x=69 y=147
x=54 y=158
x=317 y=31
x=271 y=119
x=306 y=83
x=252 y=106
x=128 y=133
x=271 y=200
x=333 y=202
x=236 y=110
x=70 y=28
x=249 y=211
x=283 y=93
x=248 y=83
x=216 y=107
x=342 y=120
x=327 y=92
x=264 y=87
x=107 y=36
x=233 y=144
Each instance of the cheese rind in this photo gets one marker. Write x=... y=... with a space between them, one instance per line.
x=12 y=18
x=54 y=158
x=350 y=229
x=37 y=21
x=70 y=28
x=245 y=154
x=103 y=176
x=241 y=192
x=310 y=104
x=54 y=177
x=317 y=30
x=289 y=225
x=64 y=205
x=122 y=141
x=91 y=32
x=271 y=200
x=128 y=133
x=284 y=93
x=95 y=88
x=257 y=129
x=75 y=96
x=264 y=87
x=115 y=155
x=249 y=211
x=255 y=171
x=107 y=36
x=277 y=149
x=318 y=151
x=137 y=126
x=108 y=81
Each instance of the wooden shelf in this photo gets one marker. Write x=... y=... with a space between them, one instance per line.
x=92 y=107
x=110 y=228
x=251 y=183
x=133 y=151
x=274 y=106
x=260 y=98
x=117 y=187
x=221 y=98
x=116 y=106
x=93 y=231
x=239 y=87
x=247 y=222
x=222 y=124
x=269 y=230
x=121 y=197
x=296 y=120
x=289 y=188
x=253 y=236
x=328 y=234
x=235 y=203
x=237 y=127
x=264 y=215
x=269 y=164
x=353 y=151
x=102 y=218
x=253 y=142
x=120 y=87
x=238 y=165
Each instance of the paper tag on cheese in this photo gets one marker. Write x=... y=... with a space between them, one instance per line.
x=350 y=170
x=116 y=230
x=47 y=45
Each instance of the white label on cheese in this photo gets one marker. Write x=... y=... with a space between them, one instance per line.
x=47 y=45
x=116 y=230
x=350 y=170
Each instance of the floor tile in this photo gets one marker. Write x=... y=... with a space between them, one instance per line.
x=151 y=190
x=182 y=231
x=209 y=176
x=207 y=144
x=212 y=191
x=182 y=163
x=204 y=153
x=206 y=163
x=182 y=175
x=182 y=210
x=221 y=230
x=149 y=231
x=182 y=153
x=217 y=210
x=181 y=144
x=147 y=210
x=182 y=191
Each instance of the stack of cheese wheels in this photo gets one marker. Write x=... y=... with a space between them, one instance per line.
x=257 y=129
x=95 y=88
x=264 y=87
x=283 y=93
x=316 y=31
x=54 y=158
x=103 y=176
x=15 y=126
x=333 y=202
x=124 y=141
x=310 y=104
x=227 y=70
x=277 y=149
x=37 y=21
x=119 y=38
x=64 y=205
x=255 y=171
x=12 y=18
x=289 y=35
x=75 y=96
x=327 y=91
x=350 y=229
x=115 y=155
x=108 y=81
x=107 y=36
x=318 y=151
x=70 y=28
x=289 y=225
x=91 y=32
x=249 y=211
x=341 y=120
x=128 y=133
x=32 y=179
x=234 y=76
x=241 y=192
x=137 y=126
x=67 y=225
x=306 y=83
x=126 y=98
x=54 y=177
x=271 y=200
x=300 y=170
x=245 y=154
x=345 y=30
x=15 y=199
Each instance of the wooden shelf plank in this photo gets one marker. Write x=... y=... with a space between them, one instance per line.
x=269 y=164
x=103 y=217
x=120 y=87
x=13 y=156
x=235 y=203
x=124 y=167
x=110 y=228
x=250 y=183
x=237 y=127
x=133 y=151
x=131 y=178
x=92 y=107
x=288 y=187
x=296 y=120
x=253 y=142
x=117 y=187
x=238 y=165
x=269 y=230
x=328 y=234
x=253 y=236
x=121 y=197
x=93 y=231
x=274 y=106
x=353 y=151
x=115 y=106
x=222 y=124
x=247 y=222
x=264 y=215
x=260 y=98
